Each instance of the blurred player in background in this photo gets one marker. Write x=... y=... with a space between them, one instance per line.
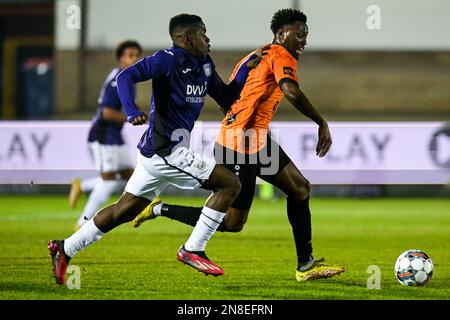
x=106 y=142
x=182 y=76
x=244 y=145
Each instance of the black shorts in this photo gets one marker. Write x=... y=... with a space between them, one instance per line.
x=265 y=164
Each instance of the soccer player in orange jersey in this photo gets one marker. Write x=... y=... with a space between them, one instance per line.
x=245 y=147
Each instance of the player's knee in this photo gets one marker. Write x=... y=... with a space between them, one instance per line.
x=233 y=187
x=302 y=190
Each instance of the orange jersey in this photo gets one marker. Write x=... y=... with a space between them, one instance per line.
x=245 y=127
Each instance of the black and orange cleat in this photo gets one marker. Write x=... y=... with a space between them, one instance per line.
x=60 y=260
x=198 y=260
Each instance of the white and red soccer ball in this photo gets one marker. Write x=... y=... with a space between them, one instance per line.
x=414 y=268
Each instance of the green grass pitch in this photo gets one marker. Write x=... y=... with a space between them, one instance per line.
x=259 y=262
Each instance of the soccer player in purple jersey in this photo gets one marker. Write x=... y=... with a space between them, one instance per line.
x=106 y=142
x=182 y=76
x=250 y=154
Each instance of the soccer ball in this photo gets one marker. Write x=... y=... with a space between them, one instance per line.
x=413 y=268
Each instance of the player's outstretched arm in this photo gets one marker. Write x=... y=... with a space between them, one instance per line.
x=257 y=56
x=226 y=94
x=299 y=100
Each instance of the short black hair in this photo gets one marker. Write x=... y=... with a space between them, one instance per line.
x=183 y=20
x=285 y=17
x=120 y=48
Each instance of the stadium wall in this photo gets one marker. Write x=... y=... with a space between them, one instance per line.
x=342 y=85
x=352 y=70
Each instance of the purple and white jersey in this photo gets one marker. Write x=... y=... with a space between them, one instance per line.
x=180 y=84
x=104 y=131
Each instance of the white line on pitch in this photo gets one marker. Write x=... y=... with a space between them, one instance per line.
x=38 y=217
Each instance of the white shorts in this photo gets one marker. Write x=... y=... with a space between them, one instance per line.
x=111 y=158
x=183 y=168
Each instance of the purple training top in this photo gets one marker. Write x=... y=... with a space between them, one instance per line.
x=104 y=131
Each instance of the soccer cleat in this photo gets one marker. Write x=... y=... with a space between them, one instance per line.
x=198 y=260
x=60 y=260
x=75 y=191
x=147 y=213
x=319 y=270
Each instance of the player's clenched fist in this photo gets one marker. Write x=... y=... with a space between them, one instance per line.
x=139 y=120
